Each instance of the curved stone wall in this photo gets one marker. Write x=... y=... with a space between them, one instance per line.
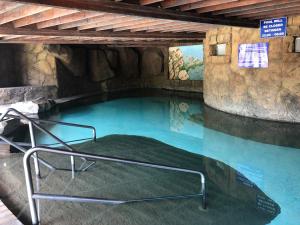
x=272 y=93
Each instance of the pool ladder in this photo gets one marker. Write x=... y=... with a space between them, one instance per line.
x=32 y=122
x=33 y=196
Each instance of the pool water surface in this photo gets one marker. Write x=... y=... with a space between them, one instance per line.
x=180 y=122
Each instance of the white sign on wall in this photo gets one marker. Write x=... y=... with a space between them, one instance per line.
x=253 y=55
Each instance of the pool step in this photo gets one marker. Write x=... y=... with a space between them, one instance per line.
x=6 y=216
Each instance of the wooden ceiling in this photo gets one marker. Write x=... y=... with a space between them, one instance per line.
x=130 y=22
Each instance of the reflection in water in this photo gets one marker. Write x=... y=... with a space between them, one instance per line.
x=275 y=133
x=272 y=168
x=185 y=117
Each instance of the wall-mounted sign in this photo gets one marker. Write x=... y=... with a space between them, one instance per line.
x=273 y=27
x=253 y=55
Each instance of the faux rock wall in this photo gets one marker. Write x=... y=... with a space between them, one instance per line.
x=272 y=93
x=86 y=69
x=27 y=73
x=37 y=66
x=82 y=69
x=27 y=93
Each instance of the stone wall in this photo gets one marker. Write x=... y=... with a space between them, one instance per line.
x=27 y=93
x=83 y=69
x=37 y=66
x=272 y=93
x=26 y=65
x=27 y=73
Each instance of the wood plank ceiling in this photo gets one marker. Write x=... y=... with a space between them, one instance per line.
x=130 y=22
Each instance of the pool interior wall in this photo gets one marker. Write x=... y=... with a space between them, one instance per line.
x=259 y=160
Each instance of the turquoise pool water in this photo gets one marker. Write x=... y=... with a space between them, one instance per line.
x=180 y=122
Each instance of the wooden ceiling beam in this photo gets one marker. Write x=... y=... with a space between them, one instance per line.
x=149 y=26
x=102 y=42
x=112 y=24
x=173 y=3
x=143 y=25
x=67 y=19
x=203 y=4
x=72 y=33
x=274 y=15
x=105 y=20
x=138 y=10
x=7 y=6
x=37 y=37
x=21 y=12
x=166 y=27
x=160 y=27
x=124 y=24
x=145 y=45
x=172 y=23
x=138 y=24
x=12 y=37
x=231 y=5
x=268 y=10
x=29 y=37
x=252 y=7
x=82 y=22
x=282 y=12
x=178 y=30
x=43 y=16
x=149 y=2
x=184 y=29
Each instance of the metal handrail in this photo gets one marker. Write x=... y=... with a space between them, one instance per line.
x=72 y=125
x=27 y=144
x=32 y=123
x=32 y=196
x=94 y=132
x=17 y=146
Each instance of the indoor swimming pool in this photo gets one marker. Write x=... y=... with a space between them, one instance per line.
x=183 y=123
x=251 y=166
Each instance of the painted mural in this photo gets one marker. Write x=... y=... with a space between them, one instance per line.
x=186 y=62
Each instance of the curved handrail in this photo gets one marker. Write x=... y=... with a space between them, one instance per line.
x=19 y=147
x=27 y=144
x=94 y=131
x=22 y=116
x=70 y=124
x=34 y=196
x=33 y=123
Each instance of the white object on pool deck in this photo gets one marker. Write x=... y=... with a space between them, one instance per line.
x=2 y=126
x=23 y=107
x=6 y=216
